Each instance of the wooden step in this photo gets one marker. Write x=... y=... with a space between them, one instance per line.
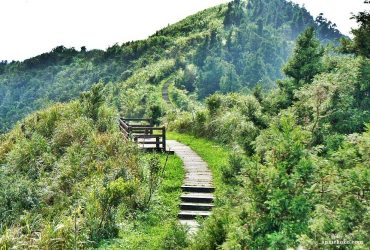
x=198 y=188
x=197 y=197
x=189 y=215
x=196 y=177
x=193 y=206
x=198 y=184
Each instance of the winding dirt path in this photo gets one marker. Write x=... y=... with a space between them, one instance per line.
x=165 y=92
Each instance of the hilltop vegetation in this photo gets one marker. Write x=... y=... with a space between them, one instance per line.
x=69 y=180
x=294 y=112
x=300 y=172
x=234 y=40
x=299 y=175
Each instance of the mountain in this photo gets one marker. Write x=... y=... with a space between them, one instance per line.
x=244 y=42
x=290 y=162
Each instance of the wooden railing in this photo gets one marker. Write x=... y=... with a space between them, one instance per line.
x=143 y=132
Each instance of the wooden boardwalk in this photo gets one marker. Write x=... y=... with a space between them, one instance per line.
x=143 y=132
x=197 y=189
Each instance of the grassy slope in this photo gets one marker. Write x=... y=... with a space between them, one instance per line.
x=147 y=59
x=149 y=229
x=37 y=83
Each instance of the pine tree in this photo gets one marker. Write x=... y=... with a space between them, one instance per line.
x=92 y=100
x=306 y=60
x=361 y=41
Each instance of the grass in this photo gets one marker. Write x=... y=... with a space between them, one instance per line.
x=211 y=152
x=149 y=228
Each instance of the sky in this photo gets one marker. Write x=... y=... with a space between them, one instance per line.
x=31 y=27
x=337 y=11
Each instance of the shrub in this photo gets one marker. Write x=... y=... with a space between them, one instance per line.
x=233 y=169
x=17 y=194
x=155 y=112
x=69 y=131
x=213 y=103
x=107 y=120
x=31 y=156
x=92 y=100
x=176 y=237
x=246 y=134
x=213 y=232
x=183 y=123
x=180 y=99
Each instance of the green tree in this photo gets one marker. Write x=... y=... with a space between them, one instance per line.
x=155 y=112
x=278 y=185
x=209 y=80
x=188 y=78
x=229 y=82
x=234 y=14
x=305 y=62
x=361 y=40
x=92 y=100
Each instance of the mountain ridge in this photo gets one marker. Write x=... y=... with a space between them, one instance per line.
x=63 y=73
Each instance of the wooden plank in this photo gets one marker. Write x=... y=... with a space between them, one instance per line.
x=141 y=128
x=124 y=125
x=137 y=119
x=148 y=136
x=149 y=142
x=197 y=196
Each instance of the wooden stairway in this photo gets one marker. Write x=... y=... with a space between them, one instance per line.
x=197 y=190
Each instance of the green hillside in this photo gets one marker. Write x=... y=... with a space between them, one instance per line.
x=243 y=46
x=281 y=117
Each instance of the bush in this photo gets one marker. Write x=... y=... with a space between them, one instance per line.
x=246 y=134
x=183 y=123
x=180 y=99
x=69 y=131
x=155 y=112
x=107 y=119
x=213 y=233
x=66 y=174
x=214 y=103
x=31 y=156
x=176 y=237
x=17 y=194
x=233 y=169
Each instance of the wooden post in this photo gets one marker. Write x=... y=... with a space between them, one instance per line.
x=151 y=125
x=129 y=132
x=164 y=138
x=157 y=141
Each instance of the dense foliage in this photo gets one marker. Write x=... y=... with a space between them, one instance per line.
x=361 y=42
x=299 y=174
x=69 y=179
x=226 y=48
x=304 y=174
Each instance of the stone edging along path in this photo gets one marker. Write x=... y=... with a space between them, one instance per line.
x=197 y=189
